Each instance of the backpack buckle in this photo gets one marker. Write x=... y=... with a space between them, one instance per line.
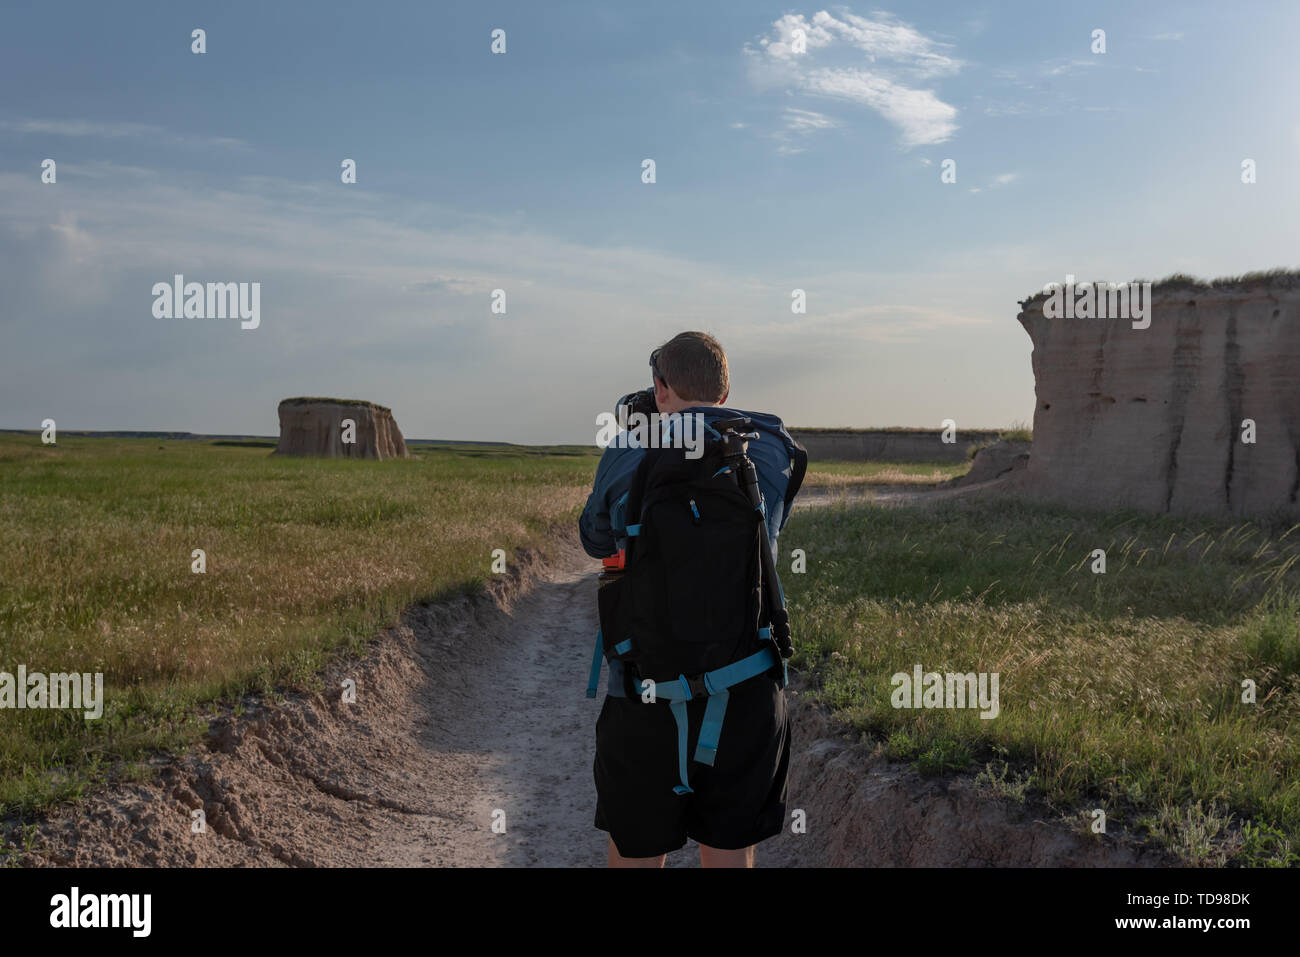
x=695 y=687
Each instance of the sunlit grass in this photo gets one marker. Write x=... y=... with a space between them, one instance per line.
x=1119 y=690
x=846 y=475
x=303 y=556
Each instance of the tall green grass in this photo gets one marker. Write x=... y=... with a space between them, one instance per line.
x=1119 y=690
x=853 y=475
x=305 y=557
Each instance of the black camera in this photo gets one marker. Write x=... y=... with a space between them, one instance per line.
x=633 y=402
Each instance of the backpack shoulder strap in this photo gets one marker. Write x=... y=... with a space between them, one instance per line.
x=636 y=494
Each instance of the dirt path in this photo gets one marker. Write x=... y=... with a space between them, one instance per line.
x=468 y=715
x=514 y=740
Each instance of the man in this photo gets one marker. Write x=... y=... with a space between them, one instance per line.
x=740 y=799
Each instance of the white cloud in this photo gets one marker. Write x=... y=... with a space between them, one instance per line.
x=889 y=39
x=869 y=62
x=779 y=46
x=800 y=123
x=807 y=120
x=1002 y=179
x=922 y=117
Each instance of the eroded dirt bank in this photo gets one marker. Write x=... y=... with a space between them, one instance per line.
x=465 y=709
x=473 y=710
x=864 y=811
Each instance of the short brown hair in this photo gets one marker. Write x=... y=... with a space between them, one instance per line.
x=695 y=366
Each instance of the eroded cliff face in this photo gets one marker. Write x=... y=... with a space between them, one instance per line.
x=1152 y=418
x=318 y=427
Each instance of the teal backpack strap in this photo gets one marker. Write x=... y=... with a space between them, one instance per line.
x=717 y=682
x=679 y=714
x=677 y=693
x=594 y=681
x=714 y=684
x=706 y=749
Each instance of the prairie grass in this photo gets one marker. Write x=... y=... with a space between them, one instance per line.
x=867 y=474
x=304 y=557
x=1120 y=690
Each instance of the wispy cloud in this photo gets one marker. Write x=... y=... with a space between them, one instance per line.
x=798 y=124
x=386 y=297
x=807 y=120
x=450 y=284
x=871 y=63
x=90 y=128
x=998 y=181
x=892 y=322
x=105 y=169
x=884 y=38
x=1018 y=108
x=1069 y=66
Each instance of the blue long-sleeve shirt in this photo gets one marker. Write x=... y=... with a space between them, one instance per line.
x=602 y=523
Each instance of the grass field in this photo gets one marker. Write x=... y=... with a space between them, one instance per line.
x=1119 y=690
x=304 y=556
x=844 y=475
x=865 y=475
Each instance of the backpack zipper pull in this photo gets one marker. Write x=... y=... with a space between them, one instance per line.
x=695 y=512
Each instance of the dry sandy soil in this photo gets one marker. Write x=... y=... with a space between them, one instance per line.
x=473 y=709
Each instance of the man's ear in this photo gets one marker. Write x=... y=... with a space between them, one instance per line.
x=723 y=400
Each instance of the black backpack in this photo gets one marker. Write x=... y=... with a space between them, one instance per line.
x=690 y=615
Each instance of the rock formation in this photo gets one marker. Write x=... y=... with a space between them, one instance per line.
x=1160 y=418
x=992 y=461
x=317 y=427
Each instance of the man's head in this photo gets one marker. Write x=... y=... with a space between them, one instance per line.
x=689 y=369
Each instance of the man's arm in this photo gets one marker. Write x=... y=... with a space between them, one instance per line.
x=775 y=466
x=601 y=524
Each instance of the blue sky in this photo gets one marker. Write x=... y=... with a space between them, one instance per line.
x=775 y=170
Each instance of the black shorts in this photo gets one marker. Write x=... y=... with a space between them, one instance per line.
x=737 y=802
